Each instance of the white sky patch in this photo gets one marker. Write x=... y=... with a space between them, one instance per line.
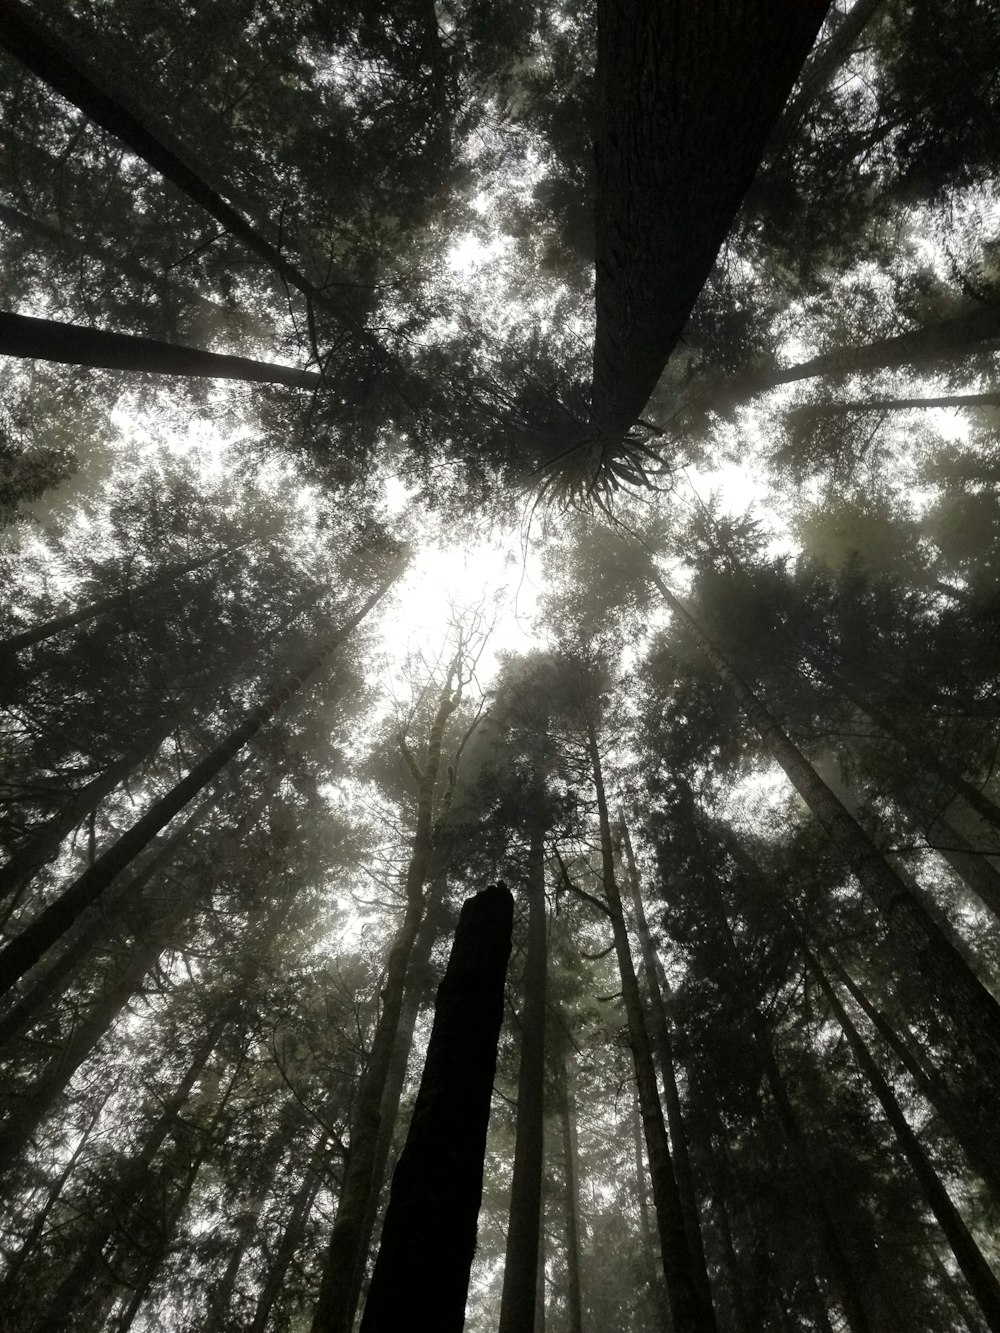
x=470 y=253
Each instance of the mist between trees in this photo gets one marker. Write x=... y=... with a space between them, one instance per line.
x=499 y=667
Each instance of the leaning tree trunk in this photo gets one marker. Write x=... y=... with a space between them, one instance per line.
x=345 y=1259
x=421 y=1275
x=48 y=628
x=291 y=1239
x=520 y=1277
x=80 y=345
x=663 y=1048
x=687 y=96
x=34 y=940
x=931 y=979
x=972 y=866
x=678 y=1264
x=968 y=1256
x=571 y=1190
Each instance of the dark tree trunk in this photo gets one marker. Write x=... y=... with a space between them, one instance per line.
x=345 y=1260
x=291 y=1240
x=517 y=1305
x=79 y=345
x=678 y=1264
x=571 y=1192
x=986 y=399
x=687 y=97
x=34 y=940
x=968 y=1256
x=737 y=1300
x=421 y=1275
x=49 y=628
x=663 y=1048
x=958 y=1014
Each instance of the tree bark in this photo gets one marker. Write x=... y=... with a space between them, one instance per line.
x=968 y=1256
x=346 y=1254
x=931 y=979
x=687 y=97
x=80 y=345
x=26 y=948
x=574 y=1295
x=678 y=1265
x=421 y=1275
x=517 y=1304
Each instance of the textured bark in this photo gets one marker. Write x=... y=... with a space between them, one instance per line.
x=291 y=1240
x=48 y=628
x=79 y=345
x=663 y=1049
x=968 y=1256
x=34 y=940
x=517 y=1304
x=346 y=1254
x=931 y=980
x=571 y=1194
x=421 y=1275
x=687 y=1311
x=687 y=97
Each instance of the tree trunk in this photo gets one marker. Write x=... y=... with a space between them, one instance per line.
x=79 y=345
x=421 y=1275
x=986 y=399
x=131 y=1180
x=931 y=979
x=687 y=97
x=678 y=1264
x=345 y=1259
x=662 y=1043
x=48 y=628
x=517 y=1305
x=291 y=1240
x=574 y=1296
x=968 y=1256
x=26 y=948
x=737 y=1300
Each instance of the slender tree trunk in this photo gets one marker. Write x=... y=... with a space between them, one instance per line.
x=345 y=1259
x=968 y=1256
x=131 y=1180
x=678 y=1264
x=291 y=1240
x=931 y=978
x=659 y=1028
x=517 y=1305
x=737 y=1300
x=989 y=398
x=79 y=345
x=48 y=628
x=421 y=1275
x=640 y=1183
x=34 y=940
x=973 y=867
x=571 y=1192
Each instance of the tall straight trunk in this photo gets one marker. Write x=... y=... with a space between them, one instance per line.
x=80 y=345
x=989 y=398
x=640 y=1183
x=48 y=628
x=982 y=1153
x=689 y=1316
x=346 y=1254
x=56 y=63
x=421 y=1276
x=26 y=948
x=737 y=1300
x=517 y=1304
x=571 y=1193
x=291 y=1240
x=663 y=1048
x=687 y=96
x=973 y=867
x=931 y=979
x=132 y=1178
x=968 y=1256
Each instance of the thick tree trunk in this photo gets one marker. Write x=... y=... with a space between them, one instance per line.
x=48 y=628
x=517 y=1305
x=932 y=981
x=26 y=948
x=687 y=97
x=291 y=1240
x=678 y=1264
x=345 y=1259
x=131 y=1180
x=79 y=345
x=571 y=1196
x=968 y=1256
x=421 y=1275
x=663 y=1048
